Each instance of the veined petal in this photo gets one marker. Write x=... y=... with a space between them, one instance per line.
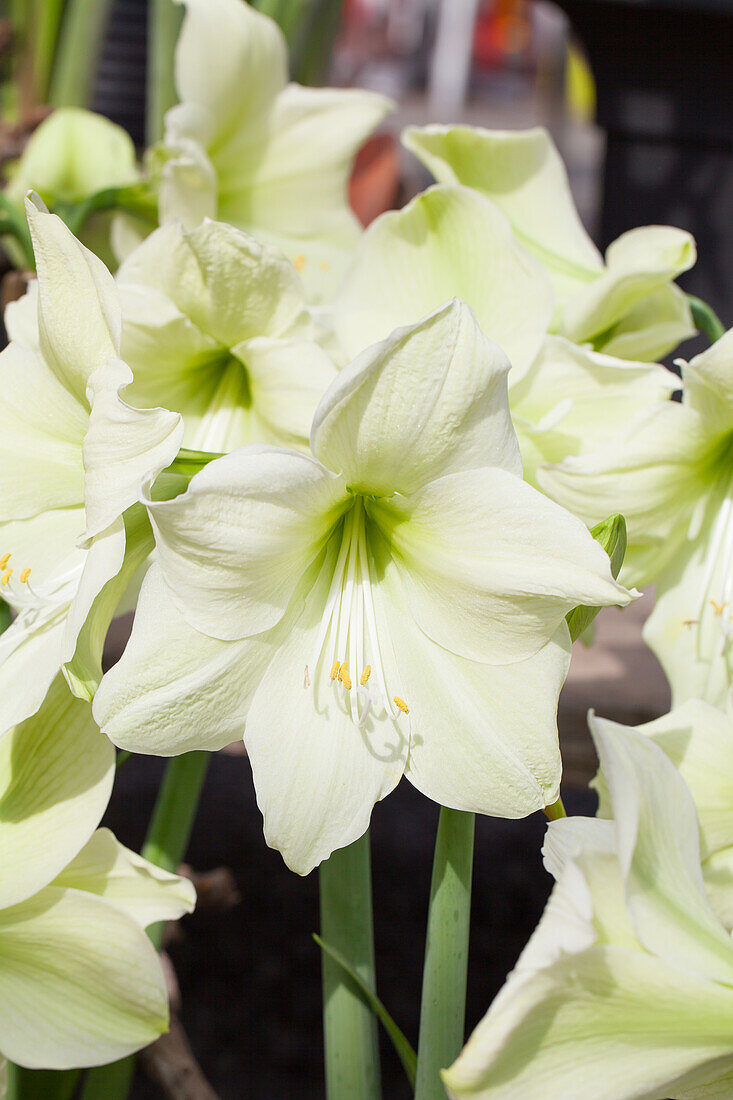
x=78 y=310
x=490 y=566
x=189 y=188
x=289 y=185
x=659 y=854
x=708 y=386
x=21 y=318
x=429 y=400
x=142 y=890
x=175 y=689
x=335 y=769
x=654 y=473
x=653 y=328
x=576 y=400
x=114 y=558
x=288 y=379
x=467 y=749
x=449 y=242
x=123 y=446
x=31 y=655
x=638 y=264
x=80 y=982
x=656 y=1031
x=231 y=287
x=231 y=61
x=234 y=546
x=42 y=427
x=521 y=171
x=56 y=773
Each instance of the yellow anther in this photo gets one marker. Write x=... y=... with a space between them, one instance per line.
x=344 y=677
x=4 y=561
x=6 y=577
x=400 y=704
x=719 y=608
x=690 y=622
x=299 y=262
x=324 y=265
x=335 y=669
x=25 y=575
x=365 y=675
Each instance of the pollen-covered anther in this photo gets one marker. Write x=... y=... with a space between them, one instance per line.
x=365 y=675
x=335 y=669
x=4 y=561
x=299 y=261
x=6 y=577
x=344 y=677
x=400 y=704
x=25 y=575
x=718 y=608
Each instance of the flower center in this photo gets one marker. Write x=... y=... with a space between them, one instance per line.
x=714 y=610
x=348 y=642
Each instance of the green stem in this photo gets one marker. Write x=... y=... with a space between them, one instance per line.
x=442 y=1012
x=349 y=1027
x=82 y=31
x=168 y=835
x=47 y=23
x=164 y=25
x=34 y=1084
x=706 y=319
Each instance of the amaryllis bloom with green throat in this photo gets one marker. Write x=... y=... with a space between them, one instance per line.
x=393 y=604
x=671 y=472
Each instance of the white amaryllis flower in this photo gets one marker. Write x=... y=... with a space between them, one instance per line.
x=454 y=242
x=80 y=982
x=671 y=474
x=215 y=326
x=626 y=306
x=246 y=147
x=368 y=611
x=73 y=454
x=698 y=739
x=625 y=990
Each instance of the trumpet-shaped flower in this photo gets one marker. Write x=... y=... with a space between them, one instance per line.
x=80 y=982
x=626 y=306
x=73 y=453
x=215 y=326
x=625 y=991
x=246 y=147
x=698 y=739
x=368 y=611
x=452 y=241
x=671 y=473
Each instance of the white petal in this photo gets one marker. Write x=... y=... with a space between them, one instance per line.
x=231 y=62
x=490 y=566
x=42 y=427
x=449 y=242
x=80 y=982
x=288 y=378
x=429 y=400
x=523 y=174
x=653 y=328
x=142 y=890
x=707 y=384
x=638 y=264
x=78 y=308
x=56 y=773
x=174 y=689
x=468 y=749
x=234 y=546
x=123 y=446
x=317 y=774
x=659 y=854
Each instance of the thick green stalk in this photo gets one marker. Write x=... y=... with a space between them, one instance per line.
x=164 y=24
x=168 y=836
x=349 y=1026
x=443 y=1008
x=47 y=20
x=80 y=40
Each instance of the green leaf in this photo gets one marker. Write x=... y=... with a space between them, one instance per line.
x=706 y=319
x=404 y=1051
x=611 y=534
